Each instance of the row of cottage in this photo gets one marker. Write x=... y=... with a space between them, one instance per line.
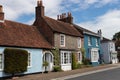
x=46 y=34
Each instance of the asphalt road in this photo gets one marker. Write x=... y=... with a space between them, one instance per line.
x=113 y=74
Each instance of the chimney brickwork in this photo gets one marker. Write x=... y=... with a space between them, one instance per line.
x=39 y=9
x=1 y=14
x=65 y=18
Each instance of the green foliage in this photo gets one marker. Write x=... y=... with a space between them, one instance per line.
x=116 y=36
x=83 y=54
x=79 y=65
x=56 y=56
x=86 y=61
x=74 y=61
x=57 y=68
x=82 y=66
x=15 y=60
x=45 y=63
x=118 y=55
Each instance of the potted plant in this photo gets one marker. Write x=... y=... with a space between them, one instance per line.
x=45 y=64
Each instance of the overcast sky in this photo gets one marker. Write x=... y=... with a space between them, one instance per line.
x=90 y=14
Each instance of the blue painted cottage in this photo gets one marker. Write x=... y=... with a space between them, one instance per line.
x=91 y=45
x=22 y=36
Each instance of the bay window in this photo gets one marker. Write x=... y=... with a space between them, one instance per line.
x=65 y=57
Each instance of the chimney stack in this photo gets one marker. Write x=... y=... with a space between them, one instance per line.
x=1 y=14
x=65 y=18
x=39 y=9
x=100 y=34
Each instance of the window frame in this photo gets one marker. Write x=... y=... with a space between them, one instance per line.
x=89 y=41
x=79 y=57
x=94 y=55
x=79 y=42
x=96 y=42
x=65 y=59
x=29 y=59
x=2 y=61
x=62 y=44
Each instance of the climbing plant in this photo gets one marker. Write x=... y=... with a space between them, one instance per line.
x=56 y=56
x=74 y=61
x=83 y=54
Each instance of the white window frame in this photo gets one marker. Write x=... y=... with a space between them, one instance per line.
x=94 y=55
x=2 y=61
x=68 y=57
x=62 y=44
x=96 y=41
x=79 y=57
x=79 y=42
x=89 y=41
x=29 y=59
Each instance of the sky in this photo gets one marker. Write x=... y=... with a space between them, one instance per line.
x=90 y=14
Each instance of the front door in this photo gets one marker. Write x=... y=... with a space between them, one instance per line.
x=48 y=57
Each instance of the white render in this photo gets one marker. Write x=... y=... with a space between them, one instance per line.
x=109 y=53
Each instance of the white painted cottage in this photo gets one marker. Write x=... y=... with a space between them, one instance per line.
x=108 y=50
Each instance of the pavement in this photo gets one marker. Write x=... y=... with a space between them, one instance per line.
x=68 y=74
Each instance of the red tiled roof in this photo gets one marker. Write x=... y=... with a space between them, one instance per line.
x=21 y=35
x=62 y=27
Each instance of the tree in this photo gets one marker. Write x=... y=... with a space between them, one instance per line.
x=116 y=36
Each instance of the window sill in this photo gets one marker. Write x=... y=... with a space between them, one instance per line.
x=62 y=45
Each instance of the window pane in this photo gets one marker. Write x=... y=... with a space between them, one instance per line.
x=62 y=40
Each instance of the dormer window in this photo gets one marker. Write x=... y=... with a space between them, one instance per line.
x=62 y=40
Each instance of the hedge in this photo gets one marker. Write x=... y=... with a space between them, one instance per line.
x=15 y=60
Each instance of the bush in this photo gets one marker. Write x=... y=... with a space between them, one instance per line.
x=45 y=63
x=57 y=68
x=74 y=62
x=86 y=61
x=15 y=60
x=79 y=65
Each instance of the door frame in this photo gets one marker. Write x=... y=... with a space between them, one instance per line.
x=50 y=60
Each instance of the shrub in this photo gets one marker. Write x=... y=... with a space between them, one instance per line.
x=57 y=68
x=74 y=62
x=45 y=63
x=79 y=65
x=86 y=61
x=15 y=60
